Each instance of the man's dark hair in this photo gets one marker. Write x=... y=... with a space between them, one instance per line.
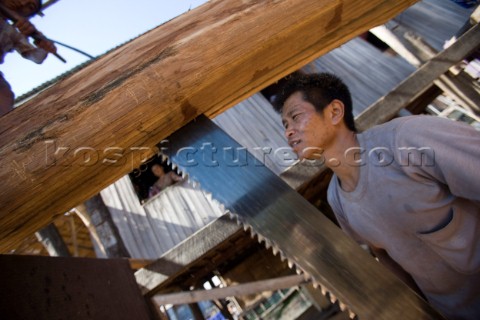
x=319 y=89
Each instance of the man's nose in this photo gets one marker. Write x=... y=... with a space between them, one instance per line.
x=289 y=131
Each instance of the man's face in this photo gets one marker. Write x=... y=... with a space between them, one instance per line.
x=23 y=7
x=307 y=131
x=158 y=170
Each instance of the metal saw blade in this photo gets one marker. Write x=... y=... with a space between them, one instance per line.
x=290 y=224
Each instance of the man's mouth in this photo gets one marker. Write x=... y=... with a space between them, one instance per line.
x=294 y=143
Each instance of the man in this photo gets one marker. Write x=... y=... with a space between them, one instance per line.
x=409 y=189
x=11 y=39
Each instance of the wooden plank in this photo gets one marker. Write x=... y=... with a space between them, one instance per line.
x=396 y=43
x=35 y=287
x=193 y=248
x=136 y=264
x=84 y=133
x=387 y=107
x=475 y=16
x=230 y=291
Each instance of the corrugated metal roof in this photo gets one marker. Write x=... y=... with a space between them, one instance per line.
x=436 y=21
x=255 y=125
x=369 y=73
x=151 y=229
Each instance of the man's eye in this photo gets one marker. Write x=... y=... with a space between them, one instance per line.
x=295 y=117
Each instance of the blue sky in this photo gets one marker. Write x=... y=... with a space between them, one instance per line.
x=93 y=26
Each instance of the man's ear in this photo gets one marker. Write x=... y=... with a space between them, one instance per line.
x=337 y=111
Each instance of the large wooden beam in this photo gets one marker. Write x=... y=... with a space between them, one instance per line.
x=79 y=136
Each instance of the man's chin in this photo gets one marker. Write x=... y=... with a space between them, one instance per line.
x=310 y=155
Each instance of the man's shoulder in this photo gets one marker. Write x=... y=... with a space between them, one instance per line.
x=415 y=122
x=398 y=123
x=409 y=127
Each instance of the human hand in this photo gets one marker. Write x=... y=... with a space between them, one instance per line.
x=25 y=27
x=45 y=44
x=175 y=177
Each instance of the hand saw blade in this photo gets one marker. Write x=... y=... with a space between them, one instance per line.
x=289 y=223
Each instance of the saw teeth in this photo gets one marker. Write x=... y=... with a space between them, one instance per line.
x=260 y=238
x=275 y=251
x=290 y=264
x=333 y=298
x=268 y=245
x=323 y=290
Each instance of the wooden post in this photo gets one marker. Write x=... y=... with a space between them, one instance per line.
x=196 y=311
x=221 y=304
x=52 y=241
x=99 y=222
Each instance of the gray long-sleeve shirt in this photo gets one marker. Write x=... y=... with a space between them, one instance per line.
x=418 y=197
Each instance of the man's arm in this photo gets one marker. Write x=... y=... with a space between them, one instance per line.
x=28 y=29
x=441 y=150
x=25 y=48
